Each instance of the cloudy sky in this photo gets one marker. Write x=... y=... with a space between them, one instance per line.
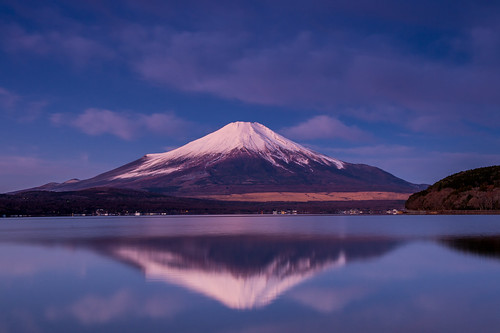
x=410 y=86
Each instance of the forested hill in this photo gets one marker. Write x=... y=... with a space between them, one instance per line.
x=477 y=189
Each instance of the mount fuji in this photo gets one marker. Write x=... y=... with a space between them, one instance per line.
x=242 y=158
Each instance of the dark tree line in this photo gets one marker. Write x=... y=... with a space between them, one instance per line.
x=127 y=202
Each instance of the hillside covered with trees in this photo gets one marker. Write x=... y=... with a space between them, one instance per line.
x=477 y=189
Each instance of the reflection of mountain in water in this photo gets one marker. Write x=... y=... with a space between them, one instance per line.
x=241 y=272
x=488 y=246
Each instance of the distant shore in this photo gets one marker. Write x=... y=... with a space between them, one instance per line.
x=453 y=212
x=352 y=212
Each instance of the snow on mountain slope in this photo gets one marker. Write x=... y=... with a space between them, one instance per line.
x=250 y=138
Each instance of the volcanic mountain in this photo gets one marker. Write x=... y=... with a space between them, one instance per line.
x=242 y=158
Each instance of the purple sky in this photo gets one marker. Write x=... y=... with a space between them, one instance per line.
x=408 y=86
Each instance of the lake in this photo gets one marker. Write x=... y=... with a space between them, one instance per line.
x=250 y=274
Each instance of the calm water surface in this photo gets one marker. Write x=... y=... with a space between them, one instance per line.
x=250 y=274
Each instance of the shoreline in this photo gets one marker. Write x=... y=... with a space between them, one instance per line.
x=267 y=214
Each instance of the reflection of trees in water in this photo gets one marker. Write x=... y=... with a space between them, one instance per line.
x=488 y=246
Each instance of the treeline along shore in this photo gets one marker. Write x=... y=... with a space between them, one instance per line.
x=114 y=201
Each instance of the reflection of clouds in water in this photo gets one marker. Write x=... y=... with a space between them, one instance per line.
x=26 y=261
x=328 y=299
x=429 y=307
x=97 y=309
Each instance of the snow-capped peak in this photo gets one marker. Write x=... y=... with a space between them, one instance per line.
x=236 y=136
x=253 y=137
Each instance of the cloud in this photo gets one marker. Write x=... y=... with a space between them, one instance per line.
x=126 y=126
x=187 y=61
x=375 y=150
x=325 y=127
x=303 y=71
x=371 y=76
x=344 y=68
x=8 y=100
x=99 y=121
x=396 y=72
x=21 y=108
x=69 y=45
x=224 y=65
x=164 y=123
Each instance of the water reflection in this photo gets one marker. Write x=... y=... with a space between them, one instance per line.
x=251 y=271
x=487 y=246
x=326 y=274
x=240 y=271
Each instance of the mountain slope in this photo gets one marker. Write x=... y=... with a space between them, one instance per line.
x=243 y=157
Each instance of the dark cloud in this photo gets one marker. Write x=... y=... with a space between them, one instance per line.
x=339 y=69
x=303 y=73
